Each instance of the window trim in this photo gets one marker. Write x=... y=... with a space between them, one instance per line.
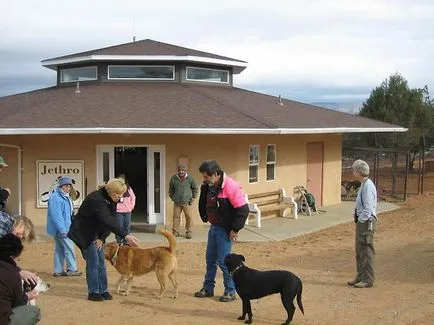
x=144 y=66
x=270 y=163
x=89 y=66
x=255 y=164
x=204 y=80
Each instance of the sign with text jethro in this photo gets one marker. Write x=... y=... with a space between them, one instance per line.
x=48 y=174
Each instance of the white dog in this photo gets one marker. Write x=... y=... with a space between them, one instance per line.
x=40 y=287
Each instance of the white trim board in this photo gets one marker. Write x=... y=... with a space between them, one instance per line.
x=102 y=130
x=237 y=65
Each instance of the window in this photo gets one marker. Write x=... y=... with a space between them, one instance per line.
x=253 y=163
x=207 y=75
x=79 y=74
x=141 y=72
x=271 y=162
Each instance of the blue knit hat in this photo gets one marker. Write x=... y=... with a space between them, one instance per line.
x=65 y=181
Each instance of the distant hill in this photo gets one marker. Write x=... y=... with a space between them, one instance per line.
x=351 y=108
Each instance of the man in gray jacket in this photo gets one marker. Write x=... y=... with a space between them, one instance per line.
x=183 y=191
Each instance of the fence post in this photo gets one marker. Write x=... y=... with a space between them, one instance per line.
x=407 y=166
x=393 y=173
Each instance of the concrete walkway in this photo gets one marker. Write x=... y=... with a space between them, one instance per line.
x=273 y=229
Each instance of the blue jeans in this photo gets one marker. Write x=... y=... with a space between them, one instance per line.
x=124 y=221
x=219 y=245
x=64 y=250
x=96 y=272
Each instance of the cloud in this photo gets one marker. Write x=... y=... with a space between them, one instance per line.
x=323 y=50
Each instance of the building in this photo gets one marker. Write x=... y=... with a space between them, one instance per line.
x=144 y=106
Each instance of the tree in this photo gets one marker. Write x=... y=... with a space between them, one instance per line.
x=396 y=103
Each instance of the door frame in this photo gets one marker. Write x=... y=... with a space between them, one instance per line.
x=153 y=218
x=321 y=198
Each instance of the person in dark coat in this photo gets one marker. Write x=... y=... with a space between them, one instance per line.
x=13 y=300
x=92 y=224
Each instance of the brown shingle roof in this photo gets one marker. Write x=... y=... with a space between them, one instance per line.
x=145 y=47
x=166 y=105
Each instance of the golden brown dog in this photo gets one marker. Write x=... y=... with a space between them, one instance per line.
x=134 y=261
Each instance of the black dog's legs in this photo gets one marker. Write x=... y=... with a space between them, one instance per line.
x=247 y=310
x=288 y=303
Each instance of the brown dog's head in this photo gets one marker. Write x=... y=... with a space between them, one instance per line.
x=232 y=261
x=110 y=250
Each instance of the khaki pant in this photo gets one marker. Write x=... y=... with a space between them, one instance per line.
x=25 y=315
x=177 y=210
x=365 y=253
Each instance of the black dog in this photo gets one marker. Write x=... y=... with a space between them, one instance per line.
x=253 y=284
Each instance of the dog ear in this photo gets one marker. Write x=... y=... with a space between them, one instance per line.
x=242 y=258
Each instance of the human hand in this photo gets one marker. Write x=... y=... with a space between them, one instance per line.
x=233 y=235
x=132 y=241
x=98 y=244
x=32 y=294
x=29 y=277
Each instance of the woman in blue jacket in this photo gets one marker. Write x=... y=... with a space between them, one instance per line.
x=59 y=218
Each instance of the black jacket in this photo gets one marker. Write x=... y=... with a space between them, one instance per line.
x=11 y=289
x=95 y=219
x=231 y=218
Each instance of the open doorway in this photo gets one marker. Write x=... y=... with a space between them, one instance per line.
x=132 y=161
x=144 y=167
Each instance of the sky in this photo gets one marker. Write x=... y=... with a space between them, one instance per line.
x=315 y=51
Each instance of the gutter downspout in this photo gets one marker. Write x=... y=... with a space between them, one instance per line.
x=20 y=172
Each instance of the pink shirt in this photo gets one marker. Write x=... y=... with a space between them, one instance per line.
x=128 y=204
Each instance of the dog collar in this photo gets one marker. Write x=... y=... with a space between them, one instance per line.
x=236 y=269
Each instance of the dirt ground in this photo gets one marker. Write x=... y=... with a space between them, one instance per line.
x=403 y=292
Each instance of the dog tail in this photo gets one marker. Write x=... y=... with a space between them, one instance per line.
x=300 y=291
x=170 y=238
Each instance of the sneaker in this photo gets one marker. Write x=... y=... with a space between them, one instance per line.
x=363 y=284
x=353 y=282
x=228 y=297
x=176 y=234
x=95 y=297
x=73 y=273
x=188 y=235
x=203 y=293
x=107 y=296
x=55 y=274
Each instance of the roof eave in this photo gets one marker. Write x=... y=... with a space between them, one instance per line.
x=238 y=66
x=102 y=130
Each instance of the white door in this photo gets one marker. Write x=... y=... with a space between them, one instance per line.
x=156 y=185
x=156 y=178
x=105 y=163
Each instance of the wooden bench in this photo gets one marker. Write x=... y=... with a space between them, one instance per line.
x=266 y=202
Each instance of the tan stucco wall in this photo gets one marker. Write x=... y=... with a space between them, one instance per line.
x=229 y=150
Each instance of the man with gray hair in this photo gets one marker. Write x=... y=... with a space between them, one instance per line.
x=182 y=191
x=365 y=217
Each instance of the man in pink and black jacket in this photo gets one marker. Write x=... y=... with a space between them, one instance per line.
x=222 y=203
